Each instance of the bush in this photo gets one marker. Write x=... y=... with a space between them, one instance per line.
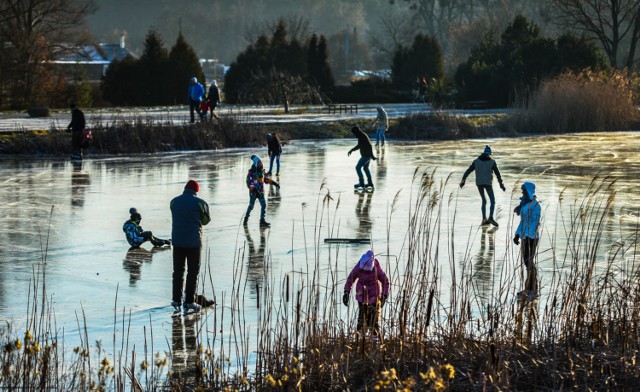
x=585 y=101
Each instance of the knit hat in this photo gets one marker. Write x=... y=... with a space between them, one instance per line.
x=256 y=159
x=487 y=150
x=193 y=185
x=132 y=210
x=194 y=80
x=367 y=261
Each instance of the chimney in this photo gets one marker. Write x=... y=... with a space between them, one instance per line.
x=122 y=38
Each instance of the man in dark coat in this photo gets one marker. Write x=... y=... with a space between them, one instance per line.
x=76 y=126
x=366 y=155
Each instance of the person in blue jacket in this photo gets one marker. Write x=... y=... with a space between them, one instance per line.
x=136 y=236
x=196 y=94
x=527 y=235
x=189 y=213
x=485 y=167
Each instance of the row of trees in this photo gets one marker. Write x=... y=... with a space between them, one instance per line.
x=159 y=77
x=505 y=70
x=279 y=69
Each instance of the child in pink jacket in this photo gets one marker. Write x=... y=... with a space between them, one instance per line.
x=372 y=291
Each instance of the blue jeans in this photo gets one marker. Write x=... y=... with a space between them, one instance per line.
x=252 y=201
x=492 y=199
x=379 y=136
x=363 y=163
x=275 y=157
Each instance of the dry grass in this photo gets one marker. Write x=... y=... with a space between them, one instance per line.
x=582 y=334
x=582 y=102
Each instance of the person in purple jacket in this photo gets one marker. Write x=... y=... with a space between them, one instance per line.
x=372 y=291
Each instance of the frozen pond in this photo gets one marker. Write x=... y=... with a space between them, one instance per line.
x=88 y=263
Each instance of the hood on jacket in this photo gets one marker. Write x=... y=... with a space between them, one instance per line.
x=256 y=160
x=530 y=188
x=367 y=261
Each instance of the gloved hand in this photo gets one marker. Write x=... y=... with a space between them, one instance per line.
x=516 y=239
x=383 y=300
x=462 y=183
x=502 y=187
x=349 y=153
x=345 y=298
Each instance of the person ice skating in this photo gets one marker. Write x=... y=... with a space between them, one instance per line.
x=255 y=182
x=485 y=167
x=76 y=126
x=382 y=124
x=275 y=150
x=421 y=89
x=214 y=98
x=196 y=94
x=366 y=155
x=527 y=236
x=136 y=236
x=189 y=213
x=372 y=292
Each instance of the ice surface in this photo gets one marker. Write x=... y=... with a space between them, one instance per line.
x=88 y=260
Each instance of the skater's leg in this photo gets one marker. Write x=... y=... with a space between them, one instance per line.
x=179 y=255
x=367 y=172
x=492 y=200
x=252 y=202
x=263 y=207
x=277 y=164
x=193 y=269
x=484 y=201
x=271 y=158
x=361 y=163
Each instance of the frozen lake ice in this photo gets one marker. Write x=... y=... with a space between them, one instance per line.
x=88 y=262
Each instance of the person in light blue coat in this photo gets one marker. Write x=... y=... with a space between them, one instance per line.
x=528 y=234
x=196 y=94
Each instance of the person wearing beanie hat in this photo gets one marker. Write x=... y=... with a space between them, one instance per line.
x=485 y=167
x=255 y=182
x=195 y=96
x=134 y=233
x=366 y=155
x=372 y=291
x=527 y=236
x=188 y=214
x=275 y=150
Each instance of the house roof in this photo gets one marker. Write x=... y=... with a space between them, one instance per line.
x=101 y=54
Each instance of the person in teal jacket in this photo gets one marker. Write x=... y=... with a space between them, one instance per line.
x=135 y=235
x=528 y=234
x=485 y=167
x=195 y=95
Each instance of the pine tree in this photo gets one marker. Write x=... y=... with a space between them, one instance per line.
x=183 y=65
x=154 y=71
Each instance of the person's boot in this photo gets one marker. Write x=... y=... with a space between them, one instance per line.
x=370 y=185
x=264 y=223
x=493 y=222
x=360 y=184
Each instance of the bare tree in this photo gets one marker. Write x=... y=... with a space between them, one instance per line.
x=31 y=31
x=298 y=29
x=613 y=23
x=392 y=30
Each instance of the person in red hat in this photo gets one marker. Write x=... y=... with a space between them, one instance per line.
x=189 y=213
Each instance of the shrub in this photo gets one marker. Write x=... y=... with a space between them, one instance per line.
x=584 y=101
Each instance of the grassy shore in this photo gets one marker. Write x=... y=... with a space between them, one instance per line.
x=580 y=334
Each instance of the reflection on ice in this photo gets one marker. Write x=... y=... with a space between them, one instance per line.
x=88 y=262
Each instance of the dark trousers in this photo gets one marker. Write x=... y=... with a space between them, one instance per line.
x=368 y=315
x=192 y=256
x=76 y=141
x=492 y=200
x=528 y=251
x=363 y=163
x=252 y=201
x=194 y=105
x=148 y=236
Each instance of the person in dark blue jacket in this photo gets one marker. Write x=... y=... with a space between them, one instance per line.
x=189 y=213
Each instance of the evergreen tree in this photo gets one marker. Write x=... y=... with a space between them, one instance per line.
x=183 y=65
x=119 y=84
x=423 y=59
x=154 y=71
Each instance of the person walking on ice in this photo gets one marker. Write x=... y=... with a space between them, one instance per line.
x=196 y=94
x=366 y=155
x=381 y=124
x=527 y=236
x=189 y=213
x=275 y=150
x=372 y=292
x=485 y=167
x=214 y=99
x=255 y=183
x=136 y=236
